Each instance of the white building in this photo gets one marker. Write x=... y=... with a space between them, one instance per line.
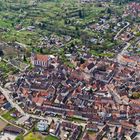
x=42 y=125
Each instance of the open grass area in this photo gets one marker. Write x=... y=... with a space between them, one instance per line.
x=51 y=138
x=91 y=134
x=33 y=136
x=74 y=119
x=38 y=136
x=4 y=67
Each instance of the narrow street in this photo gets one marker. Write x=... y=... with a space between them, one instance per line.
x=118 y=58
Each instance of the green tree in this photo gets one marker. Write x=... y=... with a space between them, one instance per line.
x=19 y=137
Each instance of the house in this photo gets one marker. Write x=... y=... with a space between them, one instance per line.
x=92 y=127
x=2 y=100
x=7 y=106
x=13 y=129
x=38 y=100
x=74 y=128
x=54 y=128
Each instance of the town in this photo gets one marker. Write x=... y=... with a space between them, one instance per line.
x=70 y=73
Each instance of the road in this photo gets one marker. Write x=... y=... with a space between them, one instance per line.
x=8 y=62
x=22 y=70
x=115 y=38
x=122 y=52
x=22 y=45
x=114 y=94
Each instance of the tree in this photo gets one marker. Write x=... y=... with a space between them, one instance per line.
x=82 y=61
x=109 y=11
x=81 y=13
x=24 y=58
x=91 y=91
x=41 y=50
x=19 y=137
x=1 y=53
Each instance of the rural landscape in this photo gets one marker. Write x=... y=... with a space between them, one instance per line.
x=69 y=70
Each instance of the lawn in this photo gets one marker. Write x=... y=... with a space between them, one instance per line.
x=74 y=119
x=49 y=137
x=38 y=136
x=32 y=136
x=91 y=134
x=8 y=116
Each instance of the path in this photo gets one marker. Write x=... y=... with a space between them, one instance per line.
x=25 y=131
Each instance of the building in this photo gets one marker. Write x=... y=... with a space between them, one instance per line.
x=13 y=130
x=42 y=125
x=42 y=60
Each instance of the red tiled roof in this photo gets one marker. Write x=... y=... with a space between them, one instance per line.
x=136 y=102
x=127 y=59
x=70 y=113
x=25 y=92
x=44 y=93
x=2 y=99
x=39 y=100
x=127 y=124
x=41 y=57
